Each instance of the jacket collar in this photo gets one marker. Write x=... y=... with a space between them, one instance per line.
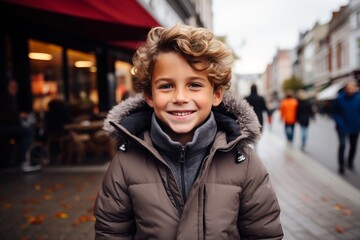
x=234 y=116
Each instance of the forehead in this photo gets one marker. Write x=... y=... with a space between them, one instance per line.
x=172 y=63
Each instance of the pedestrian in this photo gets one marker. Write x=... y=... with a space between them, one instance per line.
x=346 y=113
x=11 y=125
x=303 y=115
x=258 y=104
x=288 y=108
x=185 y=169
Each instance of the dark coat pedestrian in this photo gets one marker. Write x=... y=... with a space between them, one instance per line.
x=304 y=113
x=346 y=113
x=258 y=103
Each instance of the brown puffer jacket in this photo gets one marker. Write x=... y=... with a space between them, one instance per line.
x=231 y=198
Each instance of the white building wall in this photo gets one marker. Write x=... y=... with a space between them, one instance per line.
x=204 y=9
x=321 y=73
x=354 y=43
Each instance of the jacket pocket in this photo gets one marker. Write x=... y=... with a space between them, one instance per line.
x=219 y=209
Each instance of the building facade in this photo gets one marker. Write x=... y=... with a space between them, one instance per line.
x=81 y=51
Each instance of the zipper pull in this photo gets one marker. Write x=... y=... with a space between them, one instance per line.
x=182 y=154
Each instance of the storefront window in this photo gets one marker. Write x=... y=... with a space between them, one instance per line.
x=83 y=95
x=124 y=86
x=46 y=73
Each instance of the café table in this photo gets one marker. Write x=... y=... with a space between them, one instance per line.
x=82 y=133
x=85 y=126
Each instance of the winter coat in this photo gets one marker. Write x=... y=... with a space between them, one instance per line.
x=346 y=112
x=231 y=198
x=304 y=112
x=288 y=108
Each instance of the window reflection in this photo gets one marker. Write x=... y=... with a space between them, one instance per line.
x=83 y=95
x=46 y=73
x=124 y=86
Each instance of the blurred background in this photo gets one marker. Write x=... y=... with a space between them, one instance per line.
x=79 y=52
x=74 y=57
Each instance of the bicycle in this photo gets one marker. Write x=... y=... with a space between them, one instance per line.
x=37 y=154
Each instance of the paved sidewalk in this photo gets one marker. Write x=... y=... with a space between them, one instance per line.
x=57 y=202
x=315 y=203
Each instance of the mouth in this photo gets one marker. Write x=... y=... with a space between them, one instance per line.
x=181 y=114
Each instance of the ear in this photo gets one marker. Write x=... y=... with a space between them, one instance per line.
x=218 y=96
x=149 y=100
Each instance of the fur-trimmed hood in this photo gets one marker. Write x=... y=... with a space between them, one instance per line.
x=234 y=107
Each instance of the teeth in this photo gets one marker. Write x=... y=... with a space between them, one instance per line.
x=181 y=113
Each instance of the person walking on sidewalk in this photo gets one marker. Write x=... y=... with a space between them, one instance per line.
x=346 y=114
x=288 y=108
x=258 y=104
x=303 y=115
x=185 y=169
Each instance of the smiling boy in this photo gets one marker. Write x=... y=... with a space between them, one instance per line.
x=185 y=169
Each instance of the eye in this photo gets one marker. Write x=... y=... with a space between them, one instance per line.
x=195 y=85
x=165 y=86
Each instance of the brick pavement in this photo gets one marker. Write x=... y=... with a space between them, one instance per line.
x=57 y=202
x=315 y=202
x=54 y=204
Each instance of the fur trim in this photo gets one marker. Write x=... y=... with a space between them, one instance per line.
x=245 y=116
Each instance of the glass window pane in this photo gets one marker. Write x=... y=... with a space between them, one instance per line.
x=83 y=95
x=46 y=74
x=123 y=83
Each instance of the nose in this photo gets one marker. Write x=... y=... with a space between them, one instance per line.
x=180 y=96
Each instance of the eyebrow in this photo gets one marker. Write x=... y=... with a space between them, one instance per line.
x=188 y=79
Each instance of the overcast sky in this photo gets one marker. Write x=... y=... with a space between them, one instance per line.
x=256 y=28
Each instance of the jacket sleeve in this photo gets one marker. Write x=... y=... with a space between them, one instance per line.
x=259 y=216
x=113 y=209
x=338 y=116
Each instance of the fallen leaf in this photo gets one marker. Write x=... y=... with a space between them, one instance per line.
x=339 y=228
x=48 y=197
x=346 y=212
x=83 y=218
x=61 y=215
x=36 y=219
x=338 y=206
x=91 y=218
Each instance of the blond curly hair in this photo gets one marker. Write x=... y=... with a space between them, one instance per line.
x=196 y=45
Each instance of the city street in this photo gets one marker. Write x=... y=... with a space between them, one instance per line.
x=322 y=144
x=57 y=202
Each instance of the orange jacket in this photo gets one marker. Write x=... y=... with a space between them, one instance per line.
x=288 y=107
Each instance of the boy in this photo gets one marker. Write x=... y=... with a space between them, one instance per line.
x=185 y=169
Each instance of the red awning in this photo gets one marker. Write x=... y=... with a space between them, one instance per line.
x=106 y=20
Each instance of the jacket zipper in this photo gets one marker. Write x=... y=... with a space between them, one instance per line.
x=204 y=212
x=182 y=170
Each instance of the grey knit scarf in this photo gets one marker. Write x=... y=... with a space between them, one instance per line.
x=194 y=154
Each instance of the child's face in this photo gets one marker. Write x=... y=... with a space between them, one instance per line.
x=181 y=97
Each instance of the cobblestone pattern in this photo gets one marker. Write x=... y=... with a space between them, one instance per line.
x=48 y=205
